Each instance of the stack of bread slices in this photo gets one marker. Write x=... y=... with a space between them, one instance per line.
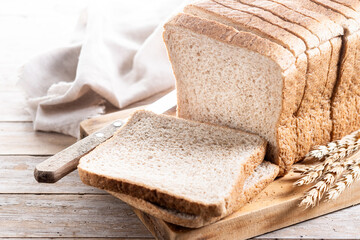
x=286 y=70
x=184 y=172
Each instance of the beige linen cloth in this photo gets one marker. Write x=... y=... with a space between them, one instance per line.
x=116 y=54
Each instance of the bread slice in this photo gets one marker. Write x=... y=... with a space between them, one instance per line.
x=263 y=175
x=190 y=167
x=221 y=74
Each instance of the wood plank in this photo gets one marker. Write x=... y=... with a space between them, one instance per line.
x=17 y=177
x=69 y=216
x=344 y=224
x=14 y=135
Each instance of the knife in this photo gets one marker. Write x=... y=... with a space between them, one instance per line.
x=59 y=165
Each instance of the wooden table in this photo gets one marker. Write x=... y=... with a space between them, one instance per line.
x=69 y=209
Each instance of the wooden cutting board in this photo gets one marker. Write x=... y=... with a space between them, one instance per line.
x=275 y=207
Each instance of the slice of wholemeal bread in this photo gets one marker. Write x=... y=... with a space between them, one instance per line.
x=263 y=175
x=190 y=167
x=216 y=69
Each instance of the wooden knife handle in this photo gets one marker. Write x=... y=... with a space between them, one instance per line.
x=66 y=161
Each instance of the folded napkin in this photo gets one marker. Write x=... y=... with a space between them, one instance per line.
x=116 y=54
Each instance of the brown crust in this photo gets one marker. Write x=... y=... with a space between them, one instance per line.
x=248 y=22
x=340 y=8
x=334 y=29
x=309 y=38
x=353 y=4
x=231 y=36
x=335 y=15
x=346 y=98
x=254 y=161
x=163 y=198
x=194 y=221
x=150 y=195
x=322 y=32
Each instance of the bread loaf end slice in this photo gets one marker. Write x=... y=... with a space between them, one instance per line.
x=190 y=167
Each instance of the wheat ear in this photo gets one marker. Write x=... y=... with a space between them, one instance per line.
x=316 y=172
x=351 y=175
x=334 y=173
x=329 y=175
x=340 y=148
x=310 y=175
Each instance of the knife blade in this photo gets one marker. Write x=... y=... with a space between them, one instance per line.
x=59 y=165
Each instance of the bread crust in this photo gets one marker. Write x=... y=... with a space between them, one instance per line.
x=249 y=22
x=322 y=32
x=345 y=107
x=353 y=4
x=334 y=28
x=346 y=99
x=309 y=38
x=340 y=8
x=195 y=221
x=349 y=25
x=231 y=36
x=162 y=197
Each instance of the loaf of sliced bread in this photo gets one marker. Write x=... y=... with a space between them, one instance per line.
x=242 y=64
x=189 y=167
x=263 y=175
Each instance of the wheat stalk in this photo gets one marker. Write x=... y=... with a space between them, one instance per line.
x=334 y=173
x=327 y=179
x=350 y=176
x=310 y=175
x=338 y=149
